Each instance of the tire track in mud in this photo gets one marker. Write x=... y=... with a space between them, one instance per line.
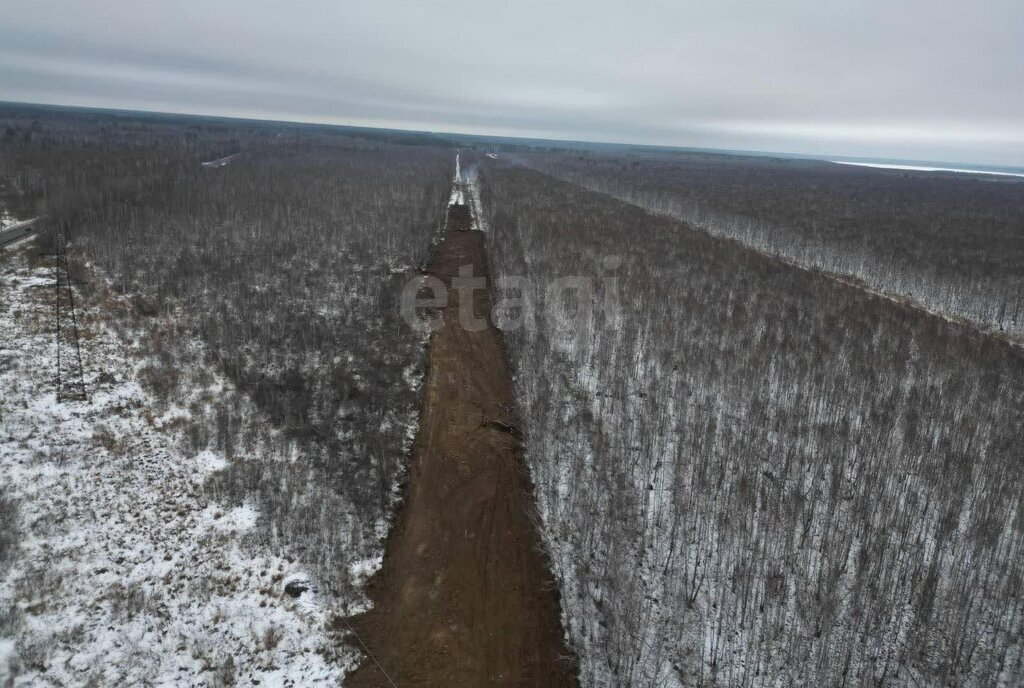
x=464 y=597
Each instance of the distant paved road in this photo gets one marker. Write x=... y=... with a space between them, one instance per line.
x=17 y=231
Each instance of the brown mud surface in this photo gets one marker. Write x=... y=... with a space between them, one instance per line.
x=464 y=597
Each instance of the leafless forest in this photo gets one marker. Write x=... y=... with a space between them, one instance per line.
x=748 y=473
x=286 y=264
x=951 y=243
x=762 y=477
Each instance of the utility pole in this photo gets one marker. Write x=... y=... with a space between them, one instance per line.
x=70 y=377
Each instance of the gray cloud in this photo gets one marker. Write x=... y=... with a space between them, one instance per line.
x=913 y=78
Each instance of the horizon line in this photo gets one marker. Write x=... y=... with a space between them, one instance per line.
x=837 y=158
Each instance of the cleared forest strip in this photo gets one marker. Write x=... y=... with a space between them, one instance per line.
x=872 y=292
x=464 y=597
x=915 y=300
x=17 y=231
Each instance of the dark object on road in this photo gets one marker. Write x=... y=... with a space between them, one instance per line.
x=460 y=218
x=295 y=588
x=501 y=426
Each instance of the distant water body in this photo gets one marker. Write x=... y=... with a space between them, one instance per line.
x=921 y=168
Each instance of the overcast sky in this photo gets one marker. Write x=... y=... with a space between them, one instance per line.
x=919 y=79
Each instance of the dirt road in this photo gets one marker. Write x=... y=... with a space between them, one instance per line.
x=17 y=231
x=464 y=598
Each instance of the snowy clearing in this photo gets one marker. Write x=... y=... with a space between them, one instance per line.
x=126 y=571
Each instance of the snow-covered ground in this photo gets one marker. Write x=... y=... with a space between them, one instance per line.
x=466 y=191
x=457 y=196
x=127 y=570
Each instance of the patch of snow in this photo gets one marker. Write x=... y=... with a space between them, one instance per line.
x=457 y=197
x=6 y=219
x=237 y=520
x=473 y=192
x=219 y=162
x=7 y=657
x=364 y=568
x=210 y=461
x=413 y=376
